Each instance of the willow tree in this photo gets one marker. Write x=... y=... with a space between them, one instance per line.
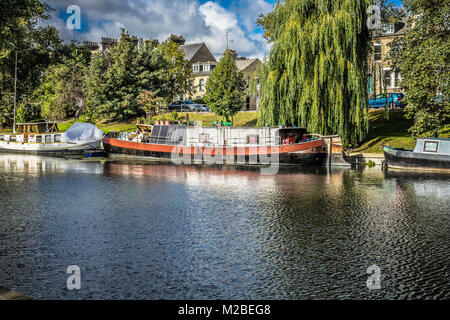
x=316 y=73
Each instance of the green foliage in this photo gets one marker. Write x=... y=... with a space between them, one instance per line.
x=23 y=113
x=149 y=101
x=371 y=164
x=173 y=116
x=6 y=114
x=17 y=18
x=117 y=78
x=315 y=76
x=422 y=58
x=225 y=89
x=178 y=79
x=21 y=33
x=61 y=92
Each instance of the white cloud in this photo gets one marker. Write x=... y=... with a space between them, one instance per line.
x=197 y=22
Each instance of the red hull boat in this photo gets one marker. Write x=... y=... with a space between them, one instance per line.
x=221 y=145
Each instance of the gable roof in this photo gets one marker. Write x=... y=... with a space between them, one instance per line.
x=191 y=49
x=244 y=64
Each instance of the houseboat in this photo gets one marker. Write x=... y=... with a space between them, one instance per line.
x=429 y=154
x=221 y=145
x=77 y=139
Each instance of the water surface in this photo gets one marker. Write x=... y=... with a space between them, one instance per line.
x=165 y=232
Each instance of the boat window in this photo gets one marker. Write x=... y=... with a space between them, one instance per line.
x=431 y=146
x=203 y=138
x=38 y=139
x=57 y=138
x=2 y=138
x=12 y=138
x=48 y=139
x=253 y=139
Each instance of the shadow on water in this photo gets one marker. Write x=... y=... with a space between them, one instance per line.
x=193 y=232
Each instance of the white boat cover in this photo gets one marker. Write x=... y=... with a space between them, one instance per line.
x=82 y=132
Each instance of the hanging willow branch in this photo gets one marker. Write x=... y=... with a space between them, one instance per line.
x=316 y=73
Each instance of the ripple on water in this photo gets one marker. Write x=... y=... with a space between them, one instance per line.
x=165 y=232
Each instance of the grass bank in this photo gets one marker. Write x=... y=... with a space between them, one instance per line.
x=392 y=130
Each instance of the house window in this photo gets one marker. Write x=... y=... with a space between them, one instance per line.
x=397 y=79
x=387 y=79
x=195 y=68
x=206 y=67
x=200 y=67
x=211 y=67
x=201 y=85
x=389 y=28
x=377 y=52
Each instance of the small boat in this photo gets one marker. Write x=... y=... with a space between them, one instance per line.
x=429 y=154
x=77 y=139
x=221 y=145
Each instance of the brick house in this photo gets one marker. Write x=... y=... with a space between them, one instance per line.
x=202 y=62
x=381 y=77
x=248 y=67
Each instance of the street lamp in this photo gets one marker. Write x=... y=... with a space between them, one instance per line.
x=15 y=94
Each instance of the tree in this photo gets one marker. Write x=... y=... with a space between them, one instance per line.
x=20 y=33
x=62 y=90
x=178 y=74
x=225 y=88
x=149 y=101
x=315 y=76
x=113 y=82
x=16 y=18
x=117 y=78
x=422 y=57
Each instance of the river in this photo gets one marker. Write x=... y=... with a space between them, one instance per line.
x=141 y=231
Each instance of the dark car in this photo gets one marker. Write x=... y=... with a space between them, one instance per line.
x=184 y=105
x=391 y=100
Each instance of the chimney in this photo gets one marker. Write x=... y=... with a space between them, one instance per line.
x=233 y=54
x=177 y=39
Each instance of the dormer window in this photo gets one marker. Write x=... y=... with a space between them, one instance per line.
x=389 y=28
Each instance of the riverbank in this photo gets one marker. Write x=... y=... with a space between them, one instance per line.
x=392 y=130
x=6 y=294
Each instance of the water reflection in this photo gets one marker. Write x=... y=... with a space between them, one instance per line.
x=37 y=165
x=162 y=231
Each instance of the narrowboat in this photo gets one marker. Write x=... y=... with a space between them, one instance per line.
x=221 y=145
x=429 y=154
x=77 y=139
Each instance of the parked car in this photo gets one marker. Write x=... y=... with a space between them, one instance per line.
x=183 y=105
x=203 y=108
x=391 y=100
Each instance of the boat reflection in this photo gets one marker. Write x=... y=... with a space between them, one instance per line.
x=38 y=165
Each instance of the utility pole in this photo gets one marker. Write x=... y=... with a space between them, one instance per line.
x=15 y=94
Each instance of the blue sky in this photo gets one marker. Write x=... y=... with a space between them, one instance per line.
x=197 y=20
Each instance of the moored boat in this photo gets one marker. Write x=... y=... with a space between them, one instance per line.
x=429 y=154
x=77 y=139
x=221 y=145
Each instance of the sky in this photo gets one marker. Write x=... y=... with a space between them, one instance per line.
x=197 y=20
